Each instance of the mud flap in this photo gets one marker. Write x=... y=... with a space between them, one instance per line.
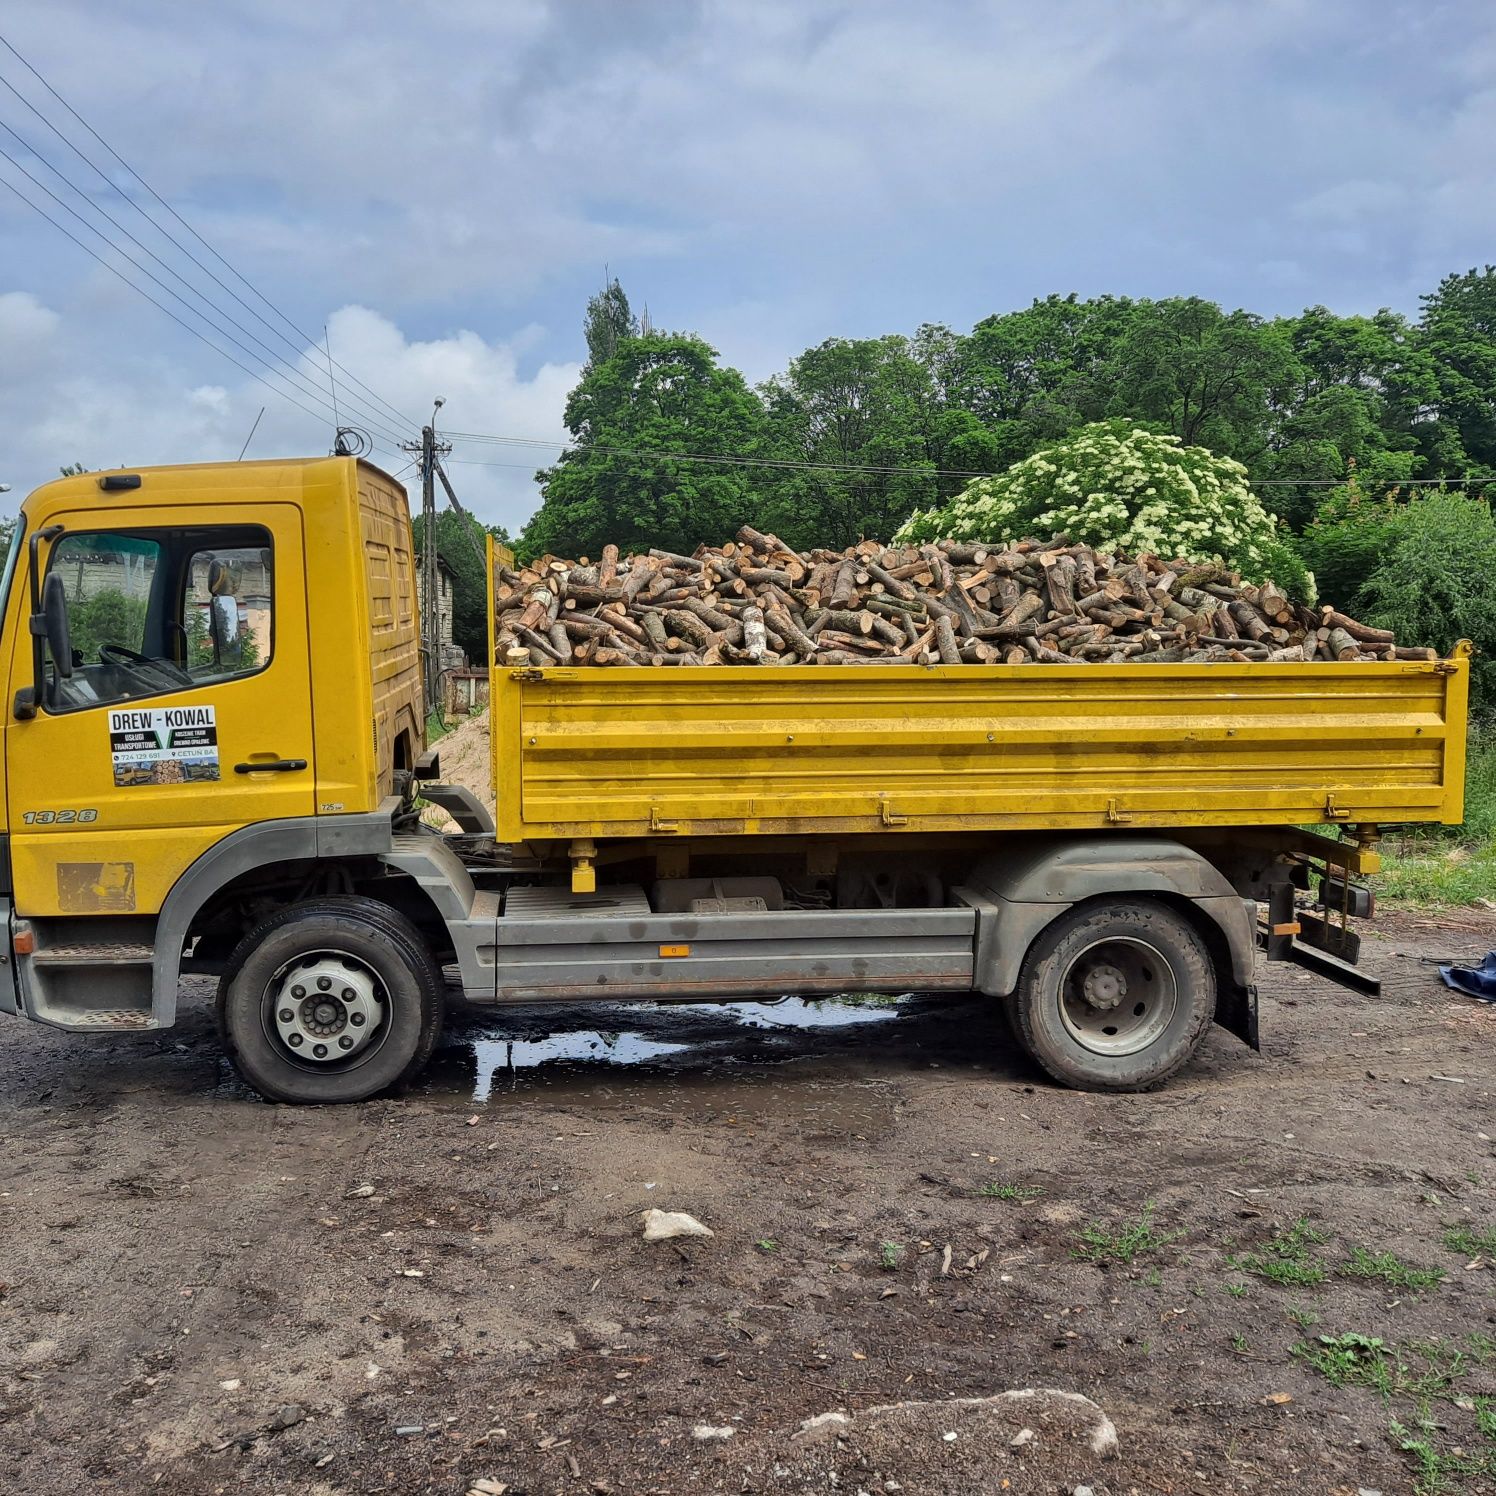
x=1236 y=1012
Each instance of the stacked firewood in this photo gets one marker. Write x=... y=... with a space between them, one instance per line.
x=756 y=602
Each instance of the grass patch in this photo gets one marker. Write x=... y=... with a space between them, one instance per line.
x=1305 y=1319
x=1431 y=874
x=1288 y=1259
x=1024 y=1194
x=1097 y=1244
x=890 y=1254
x=1424 y=1373
x=1471 y=1243
x=1388 y=1267
x=1434 y=865
x=1438 y=1470
x=1450 y=865
x=1353 y=1360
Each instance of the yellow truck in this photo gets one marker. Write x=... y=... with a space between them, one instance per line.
x=214 y=762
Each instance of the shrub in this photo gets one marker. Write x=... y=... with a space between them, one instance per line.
x=1118 y=485
x=1349 y=534
x=1436 y=581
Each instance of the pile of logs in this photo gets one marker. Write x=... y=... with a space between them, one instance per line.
x=756 y=602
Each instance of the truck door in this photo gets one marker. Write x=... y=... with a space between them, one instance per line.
x=186 y=713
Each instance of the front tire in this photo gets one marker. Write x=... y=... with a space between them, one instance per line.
x=333 y=1000
x=1115 y=995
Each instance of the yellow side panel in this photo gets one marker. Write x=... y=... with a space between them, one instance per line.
x=394 y=642
x=106 y=872
x=720 y=751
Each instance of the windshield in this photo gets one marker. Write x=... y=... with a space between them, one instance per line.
x=17 y=531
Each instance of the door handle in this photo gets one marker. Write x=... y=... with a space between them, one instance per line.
x=272 y=766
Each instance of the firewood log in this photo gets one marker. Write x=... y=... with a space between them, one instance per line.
x=754 y=600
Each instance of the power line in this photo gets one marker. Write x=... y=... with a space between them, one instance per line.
x=272 y=356
x=528 y=467
x=718 y=458
x=307 y=340
x=796 y=464
x=1377 y=483
x=293 y=377
x=187 y=326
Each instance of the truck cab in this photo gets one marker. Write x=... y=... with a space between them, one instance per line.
x=214 y=762
x=214 y=673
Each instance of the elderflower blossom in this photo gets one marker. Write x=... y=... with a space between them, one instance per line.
x=1119 y=486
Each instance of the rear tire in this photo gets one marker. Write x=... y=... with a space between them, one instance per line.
x=329 y=1001
x=1115 y=995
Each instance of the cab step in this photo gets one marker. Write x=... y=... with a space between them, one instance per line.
x=102 y=1020
x=114 y=953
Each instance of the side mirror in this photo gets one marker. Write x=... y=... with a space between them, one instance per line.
x=48 y=621
x=54 y=621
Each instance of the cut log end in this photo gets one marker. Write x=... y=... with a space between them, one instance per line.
x=754 y=601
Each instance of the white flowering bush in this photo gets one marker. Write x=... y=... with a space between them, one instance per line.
x=1118 y=486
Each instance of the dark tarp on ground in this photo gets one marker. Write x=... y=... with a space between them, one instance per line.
x=1473 y=981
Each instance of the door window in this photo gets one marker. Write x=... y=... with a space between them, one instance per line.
x=155 y=611
x=226 y=611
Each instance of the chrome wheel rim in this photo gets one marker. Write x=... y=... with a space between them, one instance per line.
x=326 y=1010
x=1118 y=996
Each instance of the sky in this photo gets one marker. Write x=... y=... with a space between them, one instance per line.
x=441 y=187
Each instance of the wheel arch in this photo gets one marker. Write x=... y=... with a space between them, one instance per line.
x=235 y=868
x=1020 y=892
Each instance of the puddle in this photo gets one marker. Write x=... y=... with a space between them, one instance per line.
x=701 y=1059
x=504 y=1057
x=799 y=1012
x=516 y=1048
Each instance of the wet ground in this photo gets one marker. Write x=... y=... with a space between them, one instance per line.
x=200 y=1293
x=543 y=1051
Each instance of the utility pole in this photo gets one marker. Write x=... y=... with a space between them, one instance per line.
x=428 y=452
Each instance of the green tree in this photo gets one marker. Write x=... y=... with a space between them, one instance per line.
x=1334 y=433
x=1361 y=384
x=1458 y=333
x=660 y=393
x=1436 y=583
x=1210 y=377
x=469 y=587
x=199 y=639
x=108 y=617
x=1352 y=529
x=245 y=656
x=1038 y=374
x=608 y=323
x=867 y=420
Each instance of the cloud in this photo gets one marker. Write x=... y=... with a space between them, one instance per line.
x=765 y=172
x=27 y=327
x=81 y=412
x=495 y=151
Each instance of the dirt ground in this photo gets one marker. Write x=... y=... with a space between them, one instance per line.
x=201 y=1293
x=464 y=759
